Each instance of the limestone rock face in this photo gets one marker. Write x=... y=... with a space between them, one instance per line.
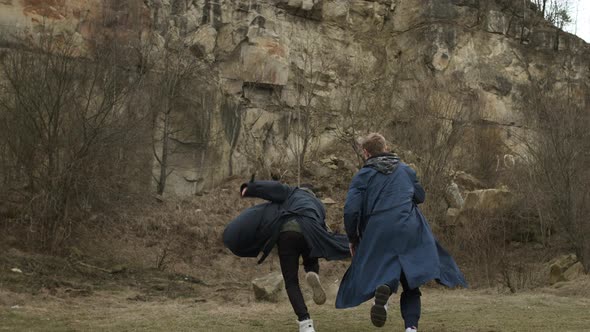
x=202 y=42
x=263 y=54
x=496 y=22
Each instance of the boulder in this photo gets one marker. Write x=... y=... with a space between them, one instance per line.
x=269 y=288
x=489 y=200
x=307 y=5
x=453 y=196
x=319 y=171
x=451 y=216
x=574 y=272
x=468 y=181
x=328 y=201
x=559 y=266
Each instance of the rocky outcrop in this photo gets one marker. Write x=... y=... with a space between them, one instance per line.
x=269 y=288
x=453 y=196
x=468 y=181
x=492 y=200
x=565 y=268
x=481 y=203
x=268 y=58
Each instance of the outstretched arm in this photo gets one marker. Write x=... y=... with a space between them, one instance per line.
x=269 y=190
x=419 y=193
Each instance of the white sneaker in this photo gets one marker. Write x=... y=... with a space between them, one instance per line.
x=306 y=326
x=319 y=295
x=411 y=329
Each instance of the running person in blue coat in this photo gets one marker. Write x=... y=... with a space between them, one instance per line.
x=390 y=240
x=293 y=219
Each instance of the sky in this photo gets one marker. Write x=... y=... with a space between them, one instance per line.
x=583 y=18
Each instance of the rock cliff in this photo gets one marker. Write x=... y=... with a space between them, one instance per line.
x=273 y=58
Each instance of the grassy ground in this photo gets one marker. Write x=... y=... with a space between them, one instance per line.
x=462 y=310
x=81 y=293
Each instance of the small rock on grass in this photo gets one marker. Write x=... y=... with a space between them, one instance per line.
x=328 y=201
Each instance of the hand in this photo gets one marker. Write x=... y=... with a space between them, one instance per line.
x=243 y=188
x=352 y=248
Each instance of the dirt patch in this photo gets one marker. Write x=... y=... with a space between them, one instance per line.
x=36 y=274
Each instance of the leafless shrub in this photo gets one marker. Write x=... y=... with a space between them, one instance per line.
x=308 y=116
x=367 y=103
x=483 y=242
x=432 y=125
x=483 y=150
x=530 y=14
x=69 y=136
x=181 y=101
x=516 y=275
x=556 y=154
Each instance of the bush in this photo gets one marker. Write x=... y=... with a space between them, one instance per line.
x=70 y=139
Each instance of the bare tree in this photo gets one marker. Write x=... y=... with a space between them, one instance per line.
x=557 y=153
x=181 y=108
x=310 y=110
x=367 y=103
x=431 y=125
x=534 y=13
x=541 y=6
x=559 y=15
x=67 y=127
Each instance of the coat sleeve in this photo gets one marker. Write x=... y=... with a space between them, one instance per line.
x=419 y=193
x=353 y=207
x=273 y=191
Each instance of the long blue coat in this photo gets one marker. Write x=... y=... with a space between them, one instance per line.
x=381 y=214
x=256 y=230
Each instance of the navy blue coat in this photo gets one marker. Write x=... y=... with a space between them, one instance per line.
x=381 y=215
x=257 y=229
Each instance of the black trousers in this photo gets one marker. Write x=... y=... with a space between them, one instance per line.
x=410 y=304
x=292 y=245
